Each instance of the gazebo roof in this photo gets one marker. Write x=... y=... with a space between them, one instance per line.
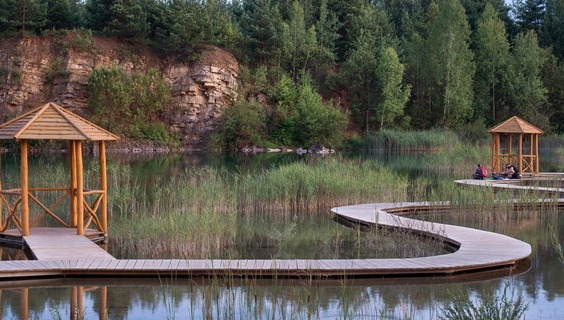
x=53 y=122
x=515 y=125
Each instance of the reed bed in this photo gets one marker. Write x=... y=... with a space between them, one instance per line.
x=397 y=140
x=199 y=212
x=318 y=186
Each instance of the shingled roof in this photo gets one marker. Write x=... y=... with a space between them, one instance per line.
x=515 y=125
x=53 y=122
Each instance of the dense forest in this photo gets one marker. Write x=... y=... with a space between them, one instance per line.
x=312 y=69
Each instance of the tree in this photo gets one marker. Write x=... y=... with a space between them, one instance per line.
x=242 y=125
x=61 y=14
x=370 y=20
x=358 y=77
x=326 y=28
x=552 y=74
x=298 y=42
x=553 y=26
x=317 y=123
x=98 y=14
x=527 y=93
x=394 y=95
x=22 y=15
x=530 y=14
x=260 y=25
x=475 y=9
x=109 y=90
x=452 y=64
x=127 y=19
x=492 y=54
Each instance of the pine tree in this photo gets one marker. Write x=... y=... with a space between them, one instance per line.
x=530 y=14
x=298 y=42
x=259 y=25
x=22 y=15
x=553 y=27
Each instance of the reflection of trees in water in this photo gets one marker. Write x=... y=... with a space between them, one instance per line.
x=253 y=298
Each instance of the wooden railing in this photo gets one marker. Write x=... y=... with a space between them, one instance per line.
x=12 y=198
x=528 y=162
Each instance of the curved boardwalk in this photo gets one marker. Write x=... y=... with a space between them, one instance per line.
x=475 y=250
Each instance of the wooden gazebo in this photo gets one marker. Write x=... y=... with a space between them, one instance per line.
x=53 y=122
x=515 y=141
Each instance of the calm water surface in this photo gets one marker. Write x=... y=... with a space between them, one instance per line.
x=542 y=285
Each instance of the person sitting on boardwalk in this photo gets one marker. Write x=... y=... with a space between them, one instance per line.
x=512 y=172
x=480 y=172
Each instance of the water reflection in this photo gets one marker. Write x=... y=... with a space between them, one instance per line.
x=181 y=298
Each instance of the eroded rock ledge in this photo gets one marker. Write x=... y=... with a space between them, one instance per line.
x=35 y=70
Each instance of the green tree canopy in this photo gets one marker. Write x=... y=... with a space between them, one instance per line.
x=492 y=54
x=527 y=93
x=452 y=64
x=394 y=95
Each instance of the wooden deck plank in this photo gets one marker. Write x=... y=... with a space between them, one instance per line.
x=62 y=244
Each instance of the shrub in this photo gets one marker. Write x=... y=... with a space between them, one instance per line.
x=242 y=125
x=318 y=123
x=129 y=103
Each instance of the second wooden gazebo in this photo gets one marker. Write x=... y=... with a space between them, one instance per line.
x=515 y=141
x=53 y=122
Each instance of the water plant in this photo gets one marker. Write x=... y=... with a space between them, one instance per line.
x=504 y=306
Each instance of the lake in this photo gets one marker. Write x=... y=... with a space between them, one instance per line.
x=539 y=282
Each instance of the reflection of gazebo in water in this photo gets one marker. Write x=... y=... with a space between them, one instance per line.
x=52 y=122
x=522 y=152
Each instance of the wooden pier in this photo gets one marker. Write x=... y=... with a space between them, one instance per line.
x=473 y=251
x=62 y=244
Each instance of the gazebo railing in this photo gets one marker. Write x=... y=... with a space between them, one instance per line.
x=90 y=216
x=527 y=164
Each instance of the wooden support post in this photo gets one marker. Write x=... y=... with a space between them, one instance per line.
x=498 y=148
x=531 y=153
x=492 y=149
x=24 y=300
x=73 y=304
x=73 y=183
x=520 y=153
x=24 y=172
x=509 y=145
x=1 y=215
x=537 y=152
x=103 y=303
x=80 y=189
x=80 y=303
x=104 y=187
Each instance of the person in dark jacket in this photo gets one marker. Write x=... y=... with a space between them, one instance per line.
x=478 y=173
x=512 y=171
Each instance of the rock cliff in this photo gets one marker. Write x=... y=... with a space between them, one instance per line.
x=35 y=70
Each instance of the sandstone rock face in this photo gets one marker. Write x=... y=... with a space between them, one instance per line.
x=36 y=70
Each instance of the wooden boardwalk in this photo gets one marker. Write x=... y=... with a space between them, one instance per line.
x=519 y=184
x=474 y=251
x=62 y=244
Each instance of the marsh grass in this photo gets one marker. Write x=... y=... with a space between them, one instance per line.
x=396 y=140
x=198 y=212
x=505 y=306
x=556 y=244
x=195 y=212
